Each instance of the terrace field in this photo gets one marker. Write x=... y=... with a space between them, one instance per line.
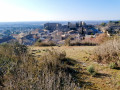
x=80 y=57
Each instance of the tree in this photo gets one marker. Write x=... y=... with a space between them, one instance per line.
x=67 y=41
x=103 y=24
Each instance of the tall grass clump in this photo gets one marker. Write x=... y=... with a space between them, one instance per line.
x=113 y=65
x=91 y=70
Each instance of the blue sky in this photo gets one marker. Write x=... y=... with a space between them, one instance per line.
x=59 y=10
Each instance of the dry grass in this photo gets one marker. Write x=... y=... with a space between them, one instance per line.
x=73 y=52
x=107 y=79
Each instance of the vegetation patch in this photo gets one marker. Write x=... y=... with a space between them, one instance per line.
x=22 y=71
x=42 y=43
x=113 y=65
x=108 y=52
x=91 y=70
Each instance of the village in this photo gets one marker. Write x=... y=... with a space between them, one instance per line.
x=55 y=32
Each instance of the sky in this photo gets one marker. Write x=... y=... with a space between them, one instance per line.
x=59 y=10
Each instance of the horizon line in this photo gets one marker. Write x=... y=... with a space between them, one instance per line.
x=57 y=20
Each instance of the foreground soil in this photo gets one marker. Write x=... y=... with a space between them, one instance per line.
x=80 y=56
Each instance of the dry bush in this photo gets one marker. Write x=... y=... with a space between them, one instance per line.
x=23 y=72
x=67 y=41
x=55 y=72
x=83 y=43
x=50 y=43
x=53 y=58
x=91 y=41
x=108 y=52
x=88 y=43
x=101 y=38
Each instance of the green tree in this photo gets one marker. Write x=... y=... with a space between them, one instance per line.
x=103 y=24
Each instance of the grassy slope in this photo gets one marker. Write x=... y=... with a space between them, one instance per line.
x=107 y=79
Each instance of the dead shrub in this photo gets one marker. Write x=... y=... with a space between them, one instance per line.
x=108 y=52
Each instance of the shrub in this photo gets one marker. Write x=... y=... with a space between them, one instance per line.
x=113 y=65
x=83 y=43
x=68 y=41
x=50 y=43
x=108 y=52
x=88 y=43
x=19 y=49
x=103 y=24
x=91 y=70
x=24 y=72
x=101 y=38
x=53 y=58
x=55 y=72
